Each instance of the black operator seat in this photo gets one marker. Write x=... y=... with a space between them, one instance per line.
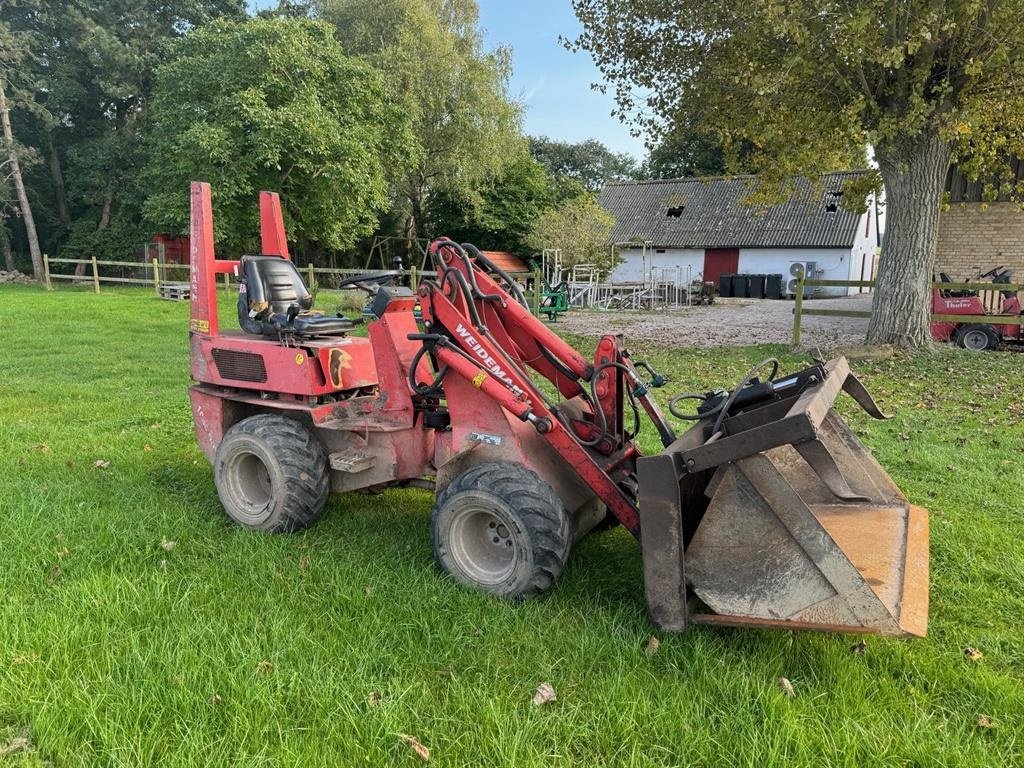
x=273 y=299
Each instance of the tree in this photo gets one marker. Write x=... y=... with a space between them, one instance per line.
x=502 y=213
x=454 y=92
x=806 y=82
x=95 y=63
x=14 y=58
x=272 y=104
x=588 y=162
x=580 y=228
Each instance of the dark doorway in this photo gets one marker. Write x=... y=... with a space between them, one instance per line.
x=720 y=261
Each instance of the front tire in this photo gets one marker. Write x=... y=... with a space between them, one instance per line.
x=977 y=337
x=500 y=528
x=271 y=474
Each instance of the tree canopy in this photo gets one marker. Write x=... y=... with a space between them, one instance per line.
x=273 y=104
x=806 y=83
x=580 y=228
x=93 y=66
x=454 y=92
x=589 y=162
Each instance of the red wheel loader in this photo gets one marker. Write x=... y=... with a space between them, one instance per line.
x=767 y=511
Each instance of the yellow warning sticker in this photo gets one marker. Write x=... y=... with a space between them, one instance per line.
x=299 y=359
x=479 y=379
x=199 y=326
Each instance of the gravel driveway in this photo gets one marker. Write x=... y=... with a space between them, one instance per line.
x=728 y=322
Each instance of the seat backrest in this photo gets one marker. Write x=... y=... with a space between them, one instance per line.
x=273 y=284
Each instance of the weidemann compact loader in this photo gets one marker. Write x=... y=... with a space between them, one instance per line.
x=766 y=512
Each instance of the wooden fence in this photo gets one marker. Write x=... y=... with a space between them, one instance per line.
x=156 y=274
x=799 y=311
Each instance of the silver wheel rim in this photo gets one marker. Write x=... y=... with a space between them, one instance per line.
x=975 y=339
x=250 y=486
x=482 y=545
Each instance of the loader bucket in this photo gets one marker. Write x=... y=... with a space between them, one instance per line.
x=783 y=520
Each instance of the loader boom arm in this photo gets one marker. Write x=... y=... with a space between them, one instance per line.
x=768 y=508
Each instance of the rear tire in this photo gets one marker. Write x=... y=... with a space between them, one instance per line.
x=271 y=474
x=977 y=337
x=500 y=528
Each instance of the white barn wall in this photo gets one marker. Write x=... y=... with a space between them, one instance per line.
x=631 y=270
x=864 y=247
x=835 y=263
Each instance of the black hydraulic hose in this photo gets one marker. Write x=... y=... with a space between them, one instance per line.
x=688 y=416
x=460 y=282
x=459 y=251
x=723 y=406
x=512 y=285
x=425 y=389
x=557 y=364
x=746 y=380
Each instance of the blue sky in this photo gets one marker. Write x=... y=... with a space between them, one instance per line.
x=552 y=84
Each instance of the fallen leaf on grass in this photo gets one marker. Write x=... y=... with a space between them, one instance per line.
x=167 y=546
x=265 y=667
x=214 y=700
x=984 y=721
x=42 y=448
x=304 y=563
x=787 y=687
x=155 y=426
x=101 y=464
x=545 y=692
x=367 y=590
x=147 y=447
x=17 y=744
x=653 y=644
x=414 y=744
x=374 y=699
x=859 y=648
x=972 y=653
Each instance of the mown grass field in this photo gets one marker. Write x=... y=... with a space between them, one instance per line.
x=139 y=627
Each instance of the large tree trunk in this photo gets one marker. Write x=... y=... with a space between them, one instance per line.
x=19 y=185
x=914 y=172
x=414 y=222
x=5 y=246
x=58 y=182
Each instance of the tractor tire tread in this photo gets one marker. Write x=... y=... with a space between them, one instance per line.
x=538 y=507
x=303 y=462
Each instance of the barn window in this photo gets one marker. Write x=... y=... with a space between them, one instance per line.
x=675 y=212
x=832 y=201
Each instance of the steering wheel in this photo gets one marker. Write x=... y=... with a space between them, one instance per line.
x=370 y=282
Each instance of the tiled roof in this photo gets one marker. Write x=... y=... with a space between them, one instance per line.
x=709 y=213
x=506 y=261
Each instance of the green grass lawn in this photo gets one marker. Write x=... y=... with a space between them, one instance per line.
x=139 y=627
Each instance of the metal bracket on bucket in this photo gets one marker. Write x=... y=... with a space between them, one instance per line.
x=783 y=519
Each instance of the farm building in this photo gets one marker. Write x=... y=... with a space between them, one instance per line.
x=975 y=236
x=664 y=227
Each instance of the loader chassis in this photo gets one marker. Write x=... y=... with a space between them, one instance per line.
x=767 y=511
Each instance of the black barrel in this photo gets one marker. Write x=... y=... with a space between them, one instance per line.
x=773 y=286
x=756 y=286
x=725 y=286
x=740 y=285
